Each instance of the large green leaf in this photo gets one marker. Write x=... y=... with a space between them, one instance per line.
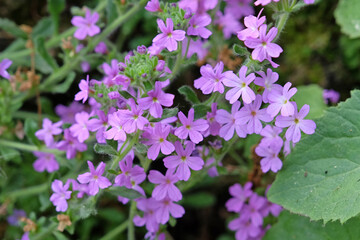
x=12 y=28
x=313 y=96
x=295 y=227
x=321 y=177
x=347 y=15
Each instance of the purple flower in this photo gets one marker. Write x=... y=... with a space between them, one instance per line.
x=228 y=23
x=116 y=131
x=197 y=26
x=252 y=210
x=263 y=47
x=86 y=26
x=16 y=216
x=296 y=122
x=190 y=127
x=149 y=207
x=264 y=2
x=80 y=128
x=129 y=175
x=60 y=195
x=132 y=119
x=166 y=187
x=267 y=81
x=81 y=188
x=153 y=6
x=331 y=95
x=169 y=36
x=212 y=79
x=94 y=178
x=309 y=1
x=244 y=229
x=197 y=47
x=101 y=48
x=240 y=86
x=67 y=114
x=99 y=125
x=239 y=196
x=135 y=187
x=214 y=126
x=271 y=160
x=281 y=101
x=49 y=129
x=45 y=161
x=157 y=139
x=183 y=161
x=253 y=24
x=251 y=114
x=156 y=98
x=84 y=93
x=71 y=145
x=85 y=66
x=5 y=64
x=111 y=71
x=239 y=8
x=167 y=207
x=229 y=123
x=271 y=136
x=198 y=6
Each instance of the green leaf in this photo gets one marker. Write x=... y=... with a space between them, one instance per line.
x=240 y=50
x=43 y=52
x=64 y=86
x=105 y=149
x=347 y=15
x=291 y=226
x=11 y=27
x=313 y=96
x=111 y=12
x=189 y=94
x=126 y=95
x=30 y=127
x=141 y=148
x=170 y=112
x=55 y=7
x=321 y=177
x=113 y=172
x=199 y=200
x=201 y=110
x=10 y=154
x=125 y=192
x=44 y=28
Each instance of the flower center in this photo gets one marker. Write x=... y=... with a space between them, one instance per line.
x=161 y=140
x=188 y=127
x=183 y=158
x=296 y=121
x=253 y=113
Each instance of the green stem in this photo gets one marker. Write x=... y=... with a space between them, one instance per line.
x=27 y=147
x=25 y=115
x=27 y=191
x=131 y=229
x=187 y=47
x=178 y=62
x=115 y=232
x=280 y=24
x=44 y=234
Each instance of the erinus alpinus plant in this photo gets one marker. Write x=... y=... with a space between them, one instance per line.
x=190 y=119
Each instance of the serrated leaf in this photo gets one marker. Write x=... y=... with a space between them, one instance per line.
x=189 y=94
x=43 y=52
x=241 y=51
x=321 y=177
x=125 y=192
x=30 y=127
x=12 y=28
x=347 y=15
x=105 y=149
x=64 y=86
x=313 y=96
x=295 y=227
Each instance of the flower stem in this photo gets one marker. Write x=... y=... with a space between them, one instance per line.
x=27 y=147
x=115 y=232
x=131 y=229
x=46 y=233
x=179 y=60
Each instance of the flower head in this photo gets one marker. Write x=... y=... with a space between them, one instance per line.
x=45 y=161
x=94 y=178
x=5 y=64
x=86 y=26
x=60 y=195
x=169 y=37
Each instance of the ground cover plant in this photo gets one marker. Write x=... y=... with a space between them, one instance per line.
x=190 y=119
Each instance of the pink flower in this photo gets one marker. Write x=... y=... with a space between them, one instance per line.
x=190 y=127
x=45 y=161
x=280 y=101
x=116 y=131
x=60 y=195
x=84 y=93
x=149 y=207
x=253 y=24
x=296 y=122
x=183 y=161
x=101 y=48
x=94 y=178
x=267 y=81
x=111 y=71
x=239 y=197
x=271 y=160
x=86 y=26
x=166 y=187
x=169 y=36
x=153 y=6
x=156 y=99
x=5 y=64
x=80 y=128
x=240 y=86
x=157 y=139
x=214 y=126
x=167 y=207
x=99 y=125
x=229 y=123
x=49 y=129
x=132 y=119
x=71 y=145
x=251 y=114
x=129 y=175
x=228 y=23
x=197 y=26
x=263 y=47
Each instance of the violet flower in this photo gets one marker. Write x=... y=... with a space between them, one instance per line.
x=60 y=195
x=239 y=8
x=94 y=178
x=71 y=145
x=214 y=126
x=244 y=229
x=169 y=37
x=280 y=101
x=67 y=113
x=86 y=26
x=45 y=161
x=101 y=48
x=80 y=128
x=116 y=131
x=166 y=207
x=129 y=175
x=197 y=26
x=190 y=127
x=268 y=82
x=166 y=185
x=14 y=219
x=270 y=160
x=228 y=23
x=296 y=122
x=132 y=119
x=153 y=6
x=111 y=71
x=252 y=25
x=49 y=129
x=5 y=64
x=239 y=197
x=149 y=207
x=271 y=136
x=183 y=161
x=84 y=93
x=195 y=47
x=99 y=125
